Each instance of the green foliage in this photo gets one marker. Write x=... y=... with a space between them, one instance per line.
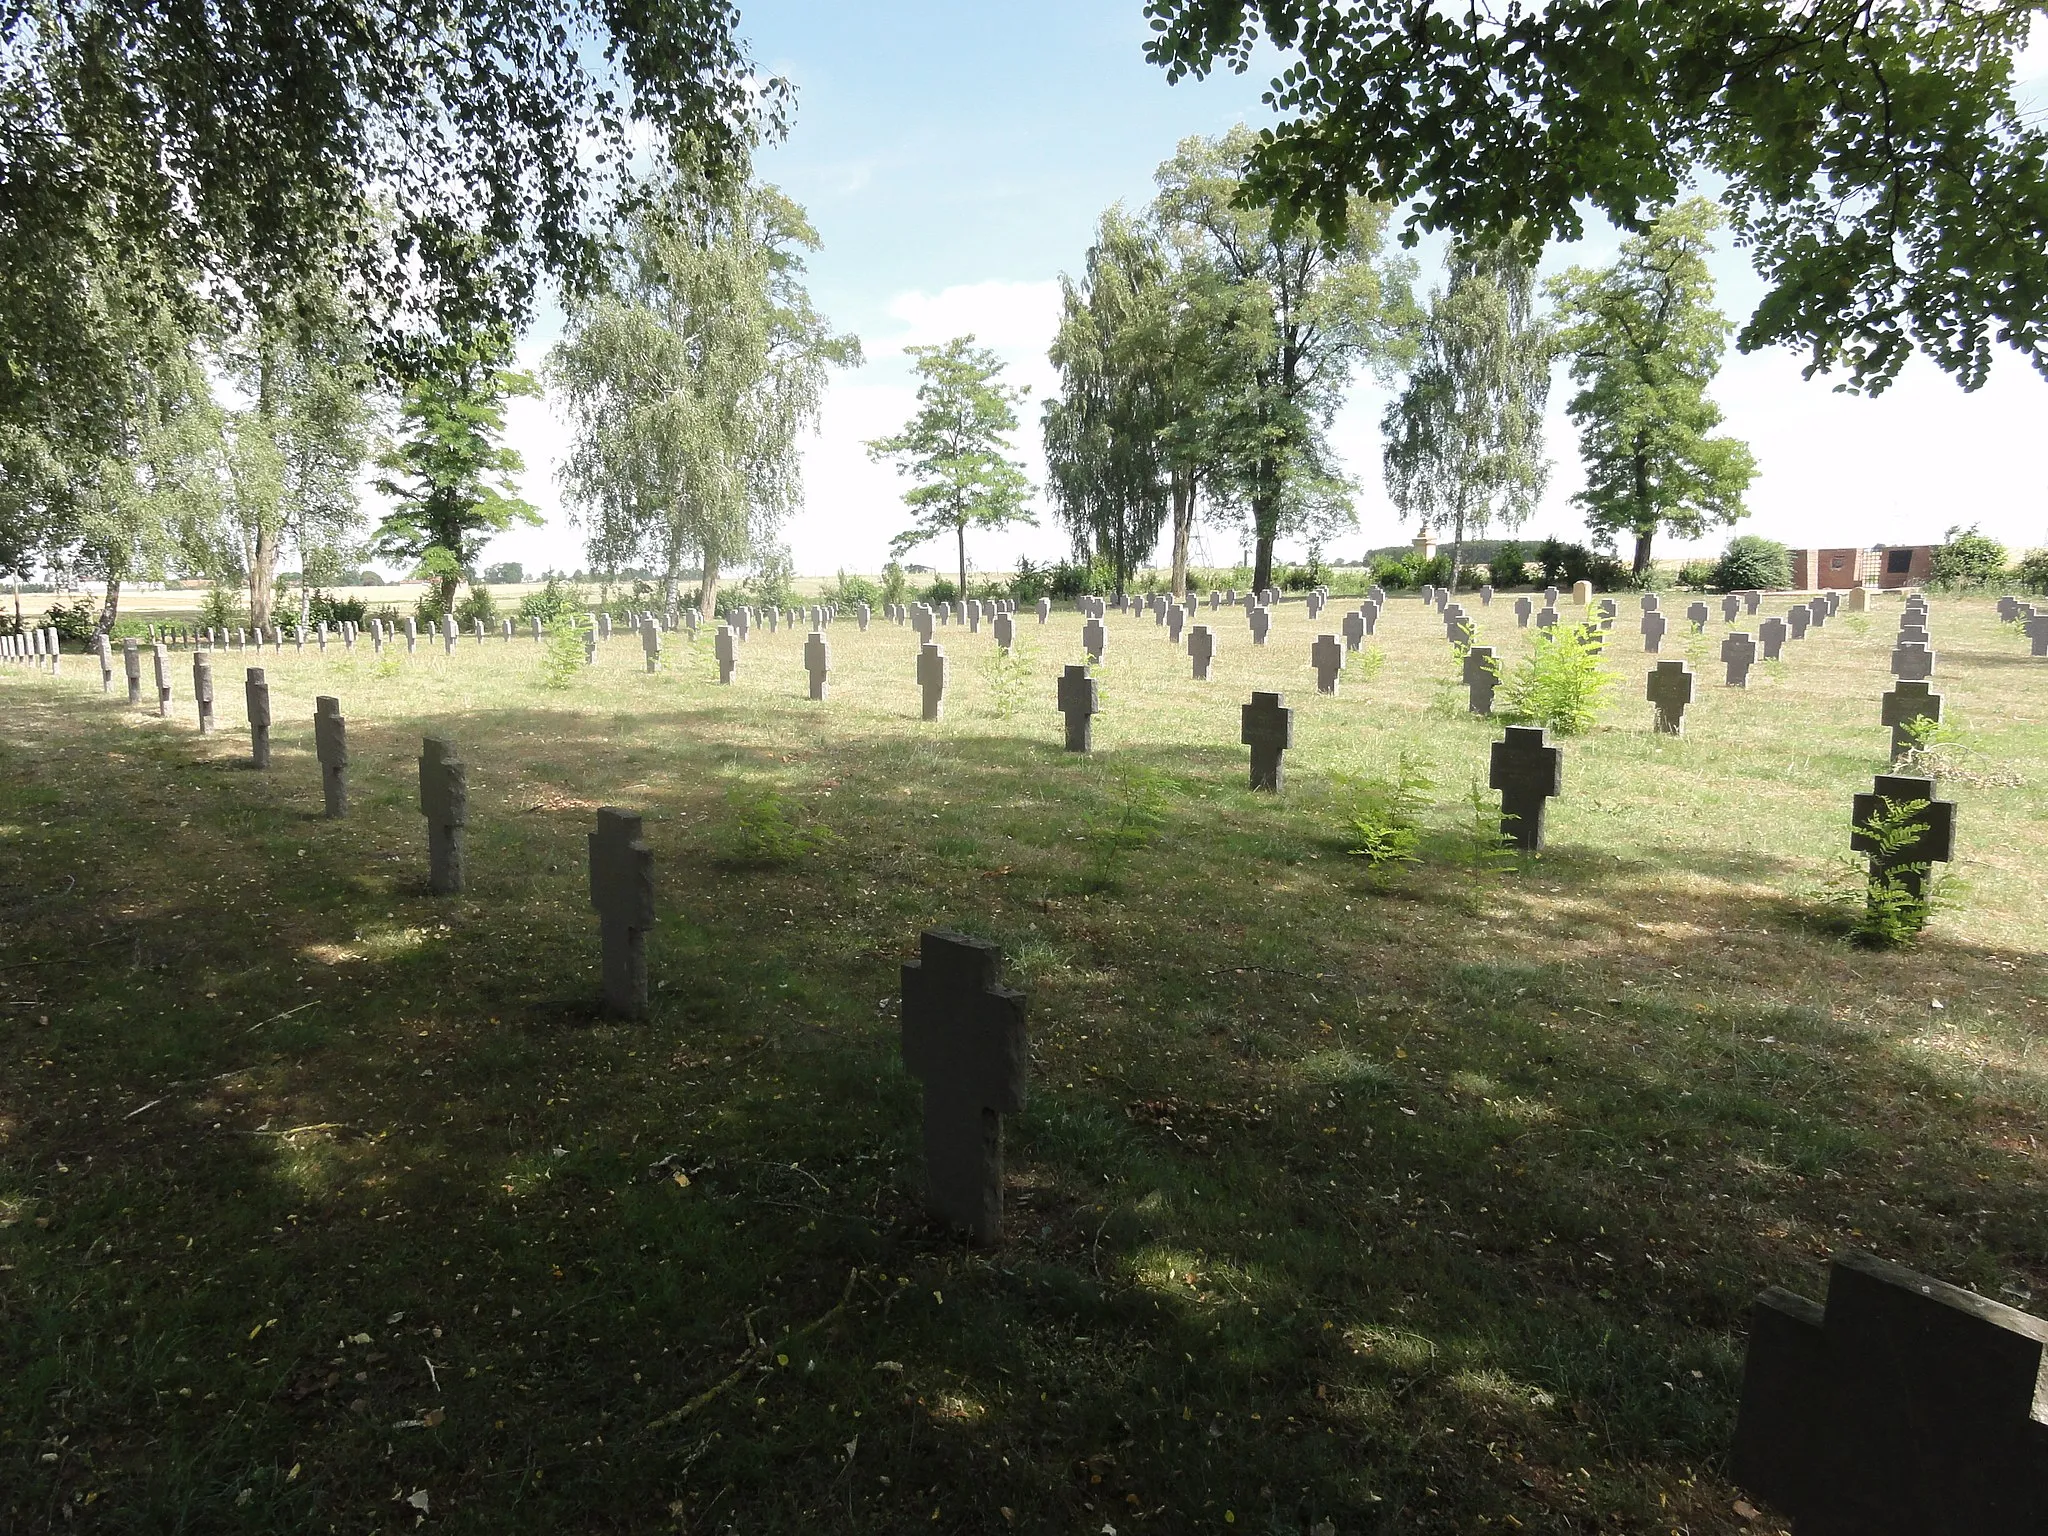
x=448 y=474
x=1878 y=164
x=849 y=590
x=2031 y=574
x=690 y=381
x=773 y=583
x=1031 y=581
x=1885 y=909
x=895 y=585
x=956 y=449
x=1383 y=816
x=1401 y=573
x=562 y=655
x=78 y=622
x=1509 y=567
x=1368 y=661
x=556 y=599
x=1485 y=846
x=1968 y=559
x=1560 y=683
x=325 y=608
x=478 y=605
x=1007 y=675
x=221 y=608
x=509 y=573
x=940 y=591
x=1751 y=563
x=1464 y=438
x=1696 y=575
x=768 y=828
x=1645 y=341
x=1140 y=797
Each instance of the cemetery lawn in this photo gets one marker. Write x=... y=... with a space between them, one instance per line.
x=1431 y=1203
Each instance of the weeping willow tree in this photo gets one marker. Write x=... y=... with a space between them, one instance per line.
x=690 y=382
x=1464 y=438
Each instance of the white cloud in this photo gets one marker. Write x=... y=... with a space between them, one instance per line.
x=1016 y=319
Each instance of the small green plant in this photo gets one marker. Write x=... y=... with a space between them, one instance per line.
x=1008 y=676
x=561 y=659
x=555 y=600
x=1369 y=660
x=1485 y=846
x=1559 y=684
x=1890 y=900
x=1383 y=816
x=766 y=828
x=220 y=609
x=1134 y=818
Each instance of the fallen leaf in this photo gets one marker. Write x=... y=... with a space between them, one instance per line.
x=418 y=1499
x=1747 y=1510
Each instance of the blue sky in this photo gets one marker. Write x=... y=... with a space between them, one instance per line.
x=955 y=157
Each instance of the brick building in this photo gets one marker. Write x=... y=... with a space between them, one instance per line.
x=1897 y=565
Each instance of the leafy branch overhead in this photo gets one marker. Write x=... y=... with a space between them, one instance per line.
x=1876 y=162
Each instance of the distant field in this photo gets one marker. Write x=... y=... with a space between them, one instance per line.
x=1430 y=1205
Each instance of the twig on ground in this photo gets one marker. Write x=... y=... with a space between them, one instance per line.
x=732 y=1379
x=276 y=1016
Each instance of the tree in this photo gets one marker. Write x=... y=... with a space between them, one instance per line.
x=1886 y=183
x=1464 y=439
x=437 y=160
x=691 y=381
x=451 y=478
x=1967 y=557
x=1645 y=341
x=956 y=449
x=292 y=456
x=1322 y=307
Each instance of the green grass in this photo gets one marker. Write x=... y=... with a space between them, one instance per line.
x=1427 y=1204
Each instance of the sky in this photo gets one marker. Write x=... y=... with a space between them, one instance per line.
x=955 y=158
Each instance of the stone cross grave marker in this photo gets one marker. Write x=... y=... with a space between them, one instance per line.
x=1670 y=689
x=1913 y=662
x=1651 y=602
x=2036 y=629
x=256 y=698
x=1044 y=609
x=863 y=615
x=1739 y=652
x=1481 y=678
x=505 y=631
x=1077 y=703
x=1261 y=620
x=590 y=646
x=1770 y=637
x=1550 y=595
x=1858 y=600
x=726 y=649
x=1905 y=707
x=1354 y=630
x=320 y=629
x=1797 y=617
x=330 y=747
x=450 y=633
x=1458 y=628
x=1546 y=618
x=604 y=624
x=1904 y=1407
x=1523 y=608
x=1528 y=771
x=444 y=801
x=1914 y=634
x=1369 y=610
x=1696 y=615
x=1653 y=632
x=1752 y=600
x=931 y=677
x=1929 y=836
x=105 y=651
x=1004 y=629
x=161 y=654
x=1176 y=620
x=412 y=635
x=202 y=689
x=1428 y=596
x=1821 y=610
x=818 y=663
x=650 y=643
x=1731 y=605
x=923 y=621
x=131 y=663
x=742 y=624
x=1094 y=637
x=1267 y=727
x=1443 y=597
x=2008 y=609
x=1327 y=657
x=622 y=891
x=964 y=1039
x=1486 y=597
x=1202 y=650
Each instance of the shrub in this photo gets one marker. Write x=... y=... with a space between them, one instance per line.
x=1032 y=582
x=2031 y=574
x=1559 y=684
x=773 y=584
x=76 y=623
x=562 y=659
x=478 y=605
x=1697 y=576
x=1752 y=563
x=428 y=609
x=940 y=591
x=552 y=601
x=1509 y=567
x=849 y=590
x=368 y=579
x=221 y=609
x=325 y=608
x=1968 y=559
x=895 y=585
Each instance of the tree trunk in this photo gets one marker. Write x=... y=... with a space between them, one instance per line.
x=448 y=586
x=1265 y=524
x=263 y=577
x=109 y=610
x=1183 y=525
x=960 y=531
x=1457 y=544
x=672 y=576
x=1642 y=560
x=707 y=599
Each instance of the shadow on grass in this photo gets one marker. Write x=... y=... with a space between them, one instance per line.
x=1315 y=1213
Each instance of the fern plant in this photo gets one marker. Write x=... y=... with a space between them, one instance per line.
x=1007 y=675
x=767 y=829
x=1133 y=820
x=1890 y=900
x=1560 y=683
x=1383 y=816
x=561 y=659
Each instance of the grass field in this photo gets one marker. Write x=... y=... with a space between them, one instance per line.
x=1339 y=1205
